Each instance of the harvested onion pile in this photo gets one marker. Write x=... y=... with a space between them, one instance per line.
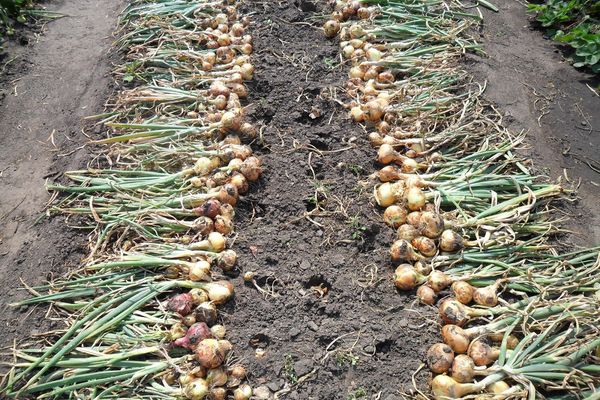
x=142 y=318
x=471 y=221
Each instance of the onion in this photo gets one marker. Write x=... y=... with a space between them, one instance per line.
x=219 y=292
x=184 y=379
x=371 y=73
x=388 y=173
x=422 y=268
x=497 y=387
x=406 y=278
x=425 y=246
x=415 y=198
x=463 y=369
x=218 y=331
x=431 y=224
x=414 y=218
x=482 y=353
x=394 y=216
x=231 y=121
x=386 y=154
x=227 y=211
x=223 y=225
x=199 y=271
x=439 y=358
x=228 y=194
x=426 y=295
x=456 y=337
x=218 y=393
x=251 y=168
x=218 y=88
x=407 y=232
x=244 y=392
x=198 y=296
x=188 y=320
x=331 y=28
x=347 y=51
x=206 y=312
x=177 y=331
x=227 y=260
x=511 y=342
x=374 y=111
x=450 y=241
x=247 y=71
x=462 y=291
x=453 y=312
x=486 y=296
x=357 y=114
x=439 y=281
x=356 y=72
x=181 y=304
x=216 y=377
x=373 y=54
x=194 y=335
x=248 y=130
x=383 y=127
x=209 y=353
x=385 y=77
x=402 y=250
x=385 y=194
x=444 y=387
x=409 y=165
x=216 y=241
x=363 y=13
x=196 y=389
x=237 y=29
x=237 y=371
x=203 y=166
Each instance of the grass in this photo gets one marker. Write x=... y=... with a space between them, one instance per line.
x=359 y=393
x=288 y=369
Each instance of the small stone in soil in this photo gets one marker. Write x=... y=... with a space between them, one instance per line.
x=274 y=386
x=261 y=392
x=303 y=367
x=312 y=326
x=294 y=332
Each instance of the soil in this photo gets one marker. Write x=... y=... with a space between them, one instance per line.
x=539 y=91
x=51 y=83
x=360 y=335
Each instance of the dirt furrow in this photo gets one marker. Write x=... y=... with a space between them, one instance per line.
x=325 y=321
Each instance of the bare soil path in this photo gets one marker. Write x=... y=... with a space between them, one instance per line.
x=53 y=85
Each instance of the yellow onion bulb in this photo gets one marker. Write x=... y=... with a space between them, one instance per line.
x=415 y=198
x=218 y=331
x=347 y=51
x=374 y=111
x=244 y=392
x=196 y=390
x=199 y=271
x=402 y=250
x=209 y=354
x=247 y=71
x=439 y=281
x=498 y=387
x=219 y=292
x=228 y=194
x=450 y=241
x=486 y=296
x=240 y=182
x=426 y=295
x=177 y=331
x=223 y=225
x=406 y=278
x=425 y=246
x=414 y=218
x=373 y=54
x=218 y=393
x=386 y=154
x=456 y=337
x=251 y=168
x=385 y=194
x=203 y=166
x=371 y=73
x=407 y=232
x=331 y=28
x=453 y=312
x=409 y=165
x=439 y=358
x=422 y=267
x=216 y=241
x=227 y=260
x=463 y=369
x=356 y=72
x=216 y=377
x=431 y=224
x=357 y=114
x=199 y=296
x=462 y=291
x=394 y=216
x=388 y=173
x=482 y=353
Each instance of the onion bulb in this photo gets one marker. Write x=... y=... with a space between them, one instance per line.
x=444 y=387
x=210 y=208
x=219 y=292
x=431 y=224
x=422 y=268
x=439 y=281
x=453 y=312
x=251 y=168
x=198 y=296
x=463 y=369
x=227 y=260
x=199 y=271
x=196 y=389
x=331 y=28
x=407 y=232
x=386 y=193
x=216 y=377
x=462 y=291
x=209 y=353
x=223 y=225
x=181 y=304
x=394 y=216
x=414 y=218
x=486 y=296
x=217 y=241
x=228 y=194
x=194 y=335
x=482 y=353
x=357 y=114
x=402 y=250
x=450 y=241
x=439 y=358
x=406 y=278
x=497 y=387
x=415 y=198
x=244 y=392
x=218 y=331
x=177 y=331
x=425 y=246
x=426 y=295
x=388 y=173
x=218 y=393
x=206 y=312
x=456 y=337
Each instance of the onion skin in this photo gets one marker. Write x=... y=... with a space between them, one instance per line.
x=219 y=292
x=440 y=358
x=486 y=296
x=414 y=219
x=462 y=292
x=454 y=312
x=407 y=232
x=498 y=387
x=439 y=281
x=415 y=198
x=431 y=224
x=406 y=278
x=444 y=387
x=482 y=353
x=463 y=369
x=456 y=337
x=196 y=389
x=402 y=250
x=450 y=241
x=426 y=295
x=181 y=304
x=394 y=216
x=209 y=354
x=425 y=246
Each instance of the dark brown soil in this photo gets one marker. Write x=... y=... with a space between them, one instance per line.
x=362 y=336
x=53 y=81
x=540 y=92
